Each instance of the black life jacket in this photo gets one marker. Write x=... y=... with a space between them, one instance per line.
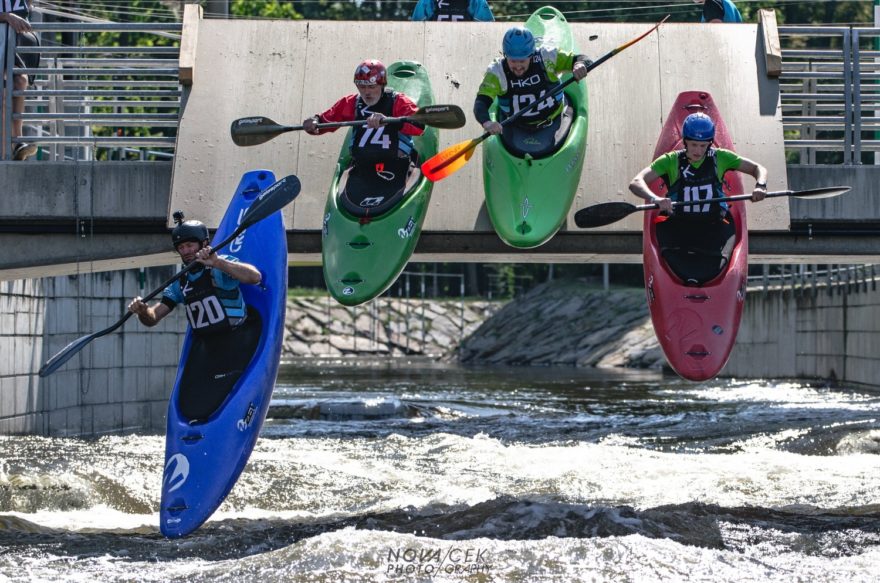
x=522 y=91
x=699 y=185
x=452 y=10
x=371 y=145
x=204 y=303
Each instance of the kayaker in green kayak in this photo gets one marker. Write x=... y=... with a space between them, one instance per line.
x=696 y=173
x=522 y=76
x=380 y=153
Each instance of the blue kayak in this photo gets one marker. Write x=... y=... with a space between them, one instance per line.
x=224 y=382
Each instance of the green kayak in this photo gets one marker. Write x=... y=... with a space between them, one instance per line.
x=363 y=255
x=528 y=195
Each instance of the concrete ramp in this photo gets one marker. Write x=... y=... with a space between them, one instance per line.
x=289 y=70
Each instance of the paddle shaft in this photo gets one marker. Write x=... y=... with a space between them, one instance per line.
x=71 y=349
x=339 y=124
x=560 y=86
x=272 y=199
x=734 y=198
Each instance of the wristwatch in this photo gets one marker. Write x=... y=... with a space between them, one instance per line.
x=761 y=185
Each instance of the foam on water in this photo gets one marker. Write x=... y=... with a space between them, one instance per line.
x=729 y=482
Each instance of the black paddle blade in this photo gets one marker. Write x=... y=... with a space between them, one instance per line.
x=603 y=214
x=64 y=355
x=274 y=198
x=252 y=131
x=446 y=117
x=825 y=192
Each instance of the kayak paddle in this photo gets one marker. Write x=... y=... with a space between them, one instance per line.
x=450 y=160
x=272 y=199
x=251 y=131
x=606 y=213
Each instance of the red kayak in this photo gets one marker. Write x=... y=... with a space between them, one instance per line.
x=696 y=324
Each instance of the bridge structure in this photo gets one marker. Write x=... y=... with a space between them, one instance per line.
x=806 y=113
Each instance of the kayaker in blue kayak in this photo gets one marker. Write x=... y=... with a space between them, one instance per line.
x=696 y=173
x=225 y=331
x=382 y=154
x=211 y=293
x=719 y=11
x=453 y=11
x=522 y=76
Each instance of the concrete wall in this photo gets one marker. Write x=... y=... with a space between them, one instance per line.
x=288 y=70
x=121 y=382
x=826 y=333
x=118 y=383
x=860 y=205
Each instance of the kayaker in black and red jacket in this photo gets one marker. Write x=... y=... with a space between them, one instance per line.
x=377 y=148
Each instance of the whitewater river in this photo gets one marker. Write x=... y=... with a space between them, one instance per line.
x=423 y=472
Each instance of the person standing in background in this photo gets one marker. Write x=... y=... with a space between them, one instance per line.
x=719 y=11
x=16 y=14
x=453 y=11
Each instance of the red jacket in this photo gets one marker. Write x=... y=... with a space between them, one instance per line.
x=344 y=110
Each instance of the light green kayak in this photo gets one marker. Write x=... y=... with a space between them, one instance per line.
x=528 y=197
x=363 y=256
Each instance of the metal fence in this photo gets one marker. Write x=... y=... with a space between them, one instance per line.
x=804 y=279
x=830 y=94
x=86 y=101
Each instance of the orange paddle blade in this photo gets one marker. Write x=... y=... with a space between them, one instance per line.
x=449 y=161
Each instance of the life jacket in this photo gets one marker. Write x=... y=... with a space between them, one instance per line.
x=17 y=7
x=452 y=10
x=369 y=145
x=206 y=304
x=698 y=185
x=529 y=87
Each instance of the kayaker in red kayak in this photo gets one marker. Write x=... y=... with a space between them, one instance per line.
x=696 y=173
x=522 y=76
x=380 y=152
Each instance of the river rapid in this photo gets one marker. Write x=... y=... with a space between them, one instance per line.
x=418 y=471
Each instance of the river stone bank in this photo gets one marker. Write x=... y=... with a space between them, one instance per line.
x=563 y=322
x=319 y=326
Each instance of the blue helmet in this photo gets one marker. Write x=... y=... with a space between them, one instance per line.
x=519 y=43
x=699 y=127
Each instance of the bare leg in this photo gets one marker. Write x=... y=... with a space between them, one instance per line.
x=20 y=151
x=20 y=83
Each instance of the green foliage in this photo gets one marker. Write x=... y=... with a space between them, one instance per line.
x=264 y=9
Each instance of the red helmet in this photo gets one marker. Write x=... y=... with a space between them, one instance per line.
x=370 y=72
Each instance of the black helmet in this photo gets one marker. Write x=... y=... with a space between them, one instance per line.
x=187 y=231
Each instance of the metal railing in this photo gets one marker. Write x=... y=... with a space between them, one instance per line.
x=830 y=93
x=85 y=98
x=803 y=279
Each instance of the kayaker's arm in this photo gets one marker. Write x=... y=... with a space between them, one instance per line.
x=481 y=113
x=243 y=272
x=342 y=110
x=639 y=187
x=148 y=315
x=581 y=66
x=404 y=106
x=759 y=173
